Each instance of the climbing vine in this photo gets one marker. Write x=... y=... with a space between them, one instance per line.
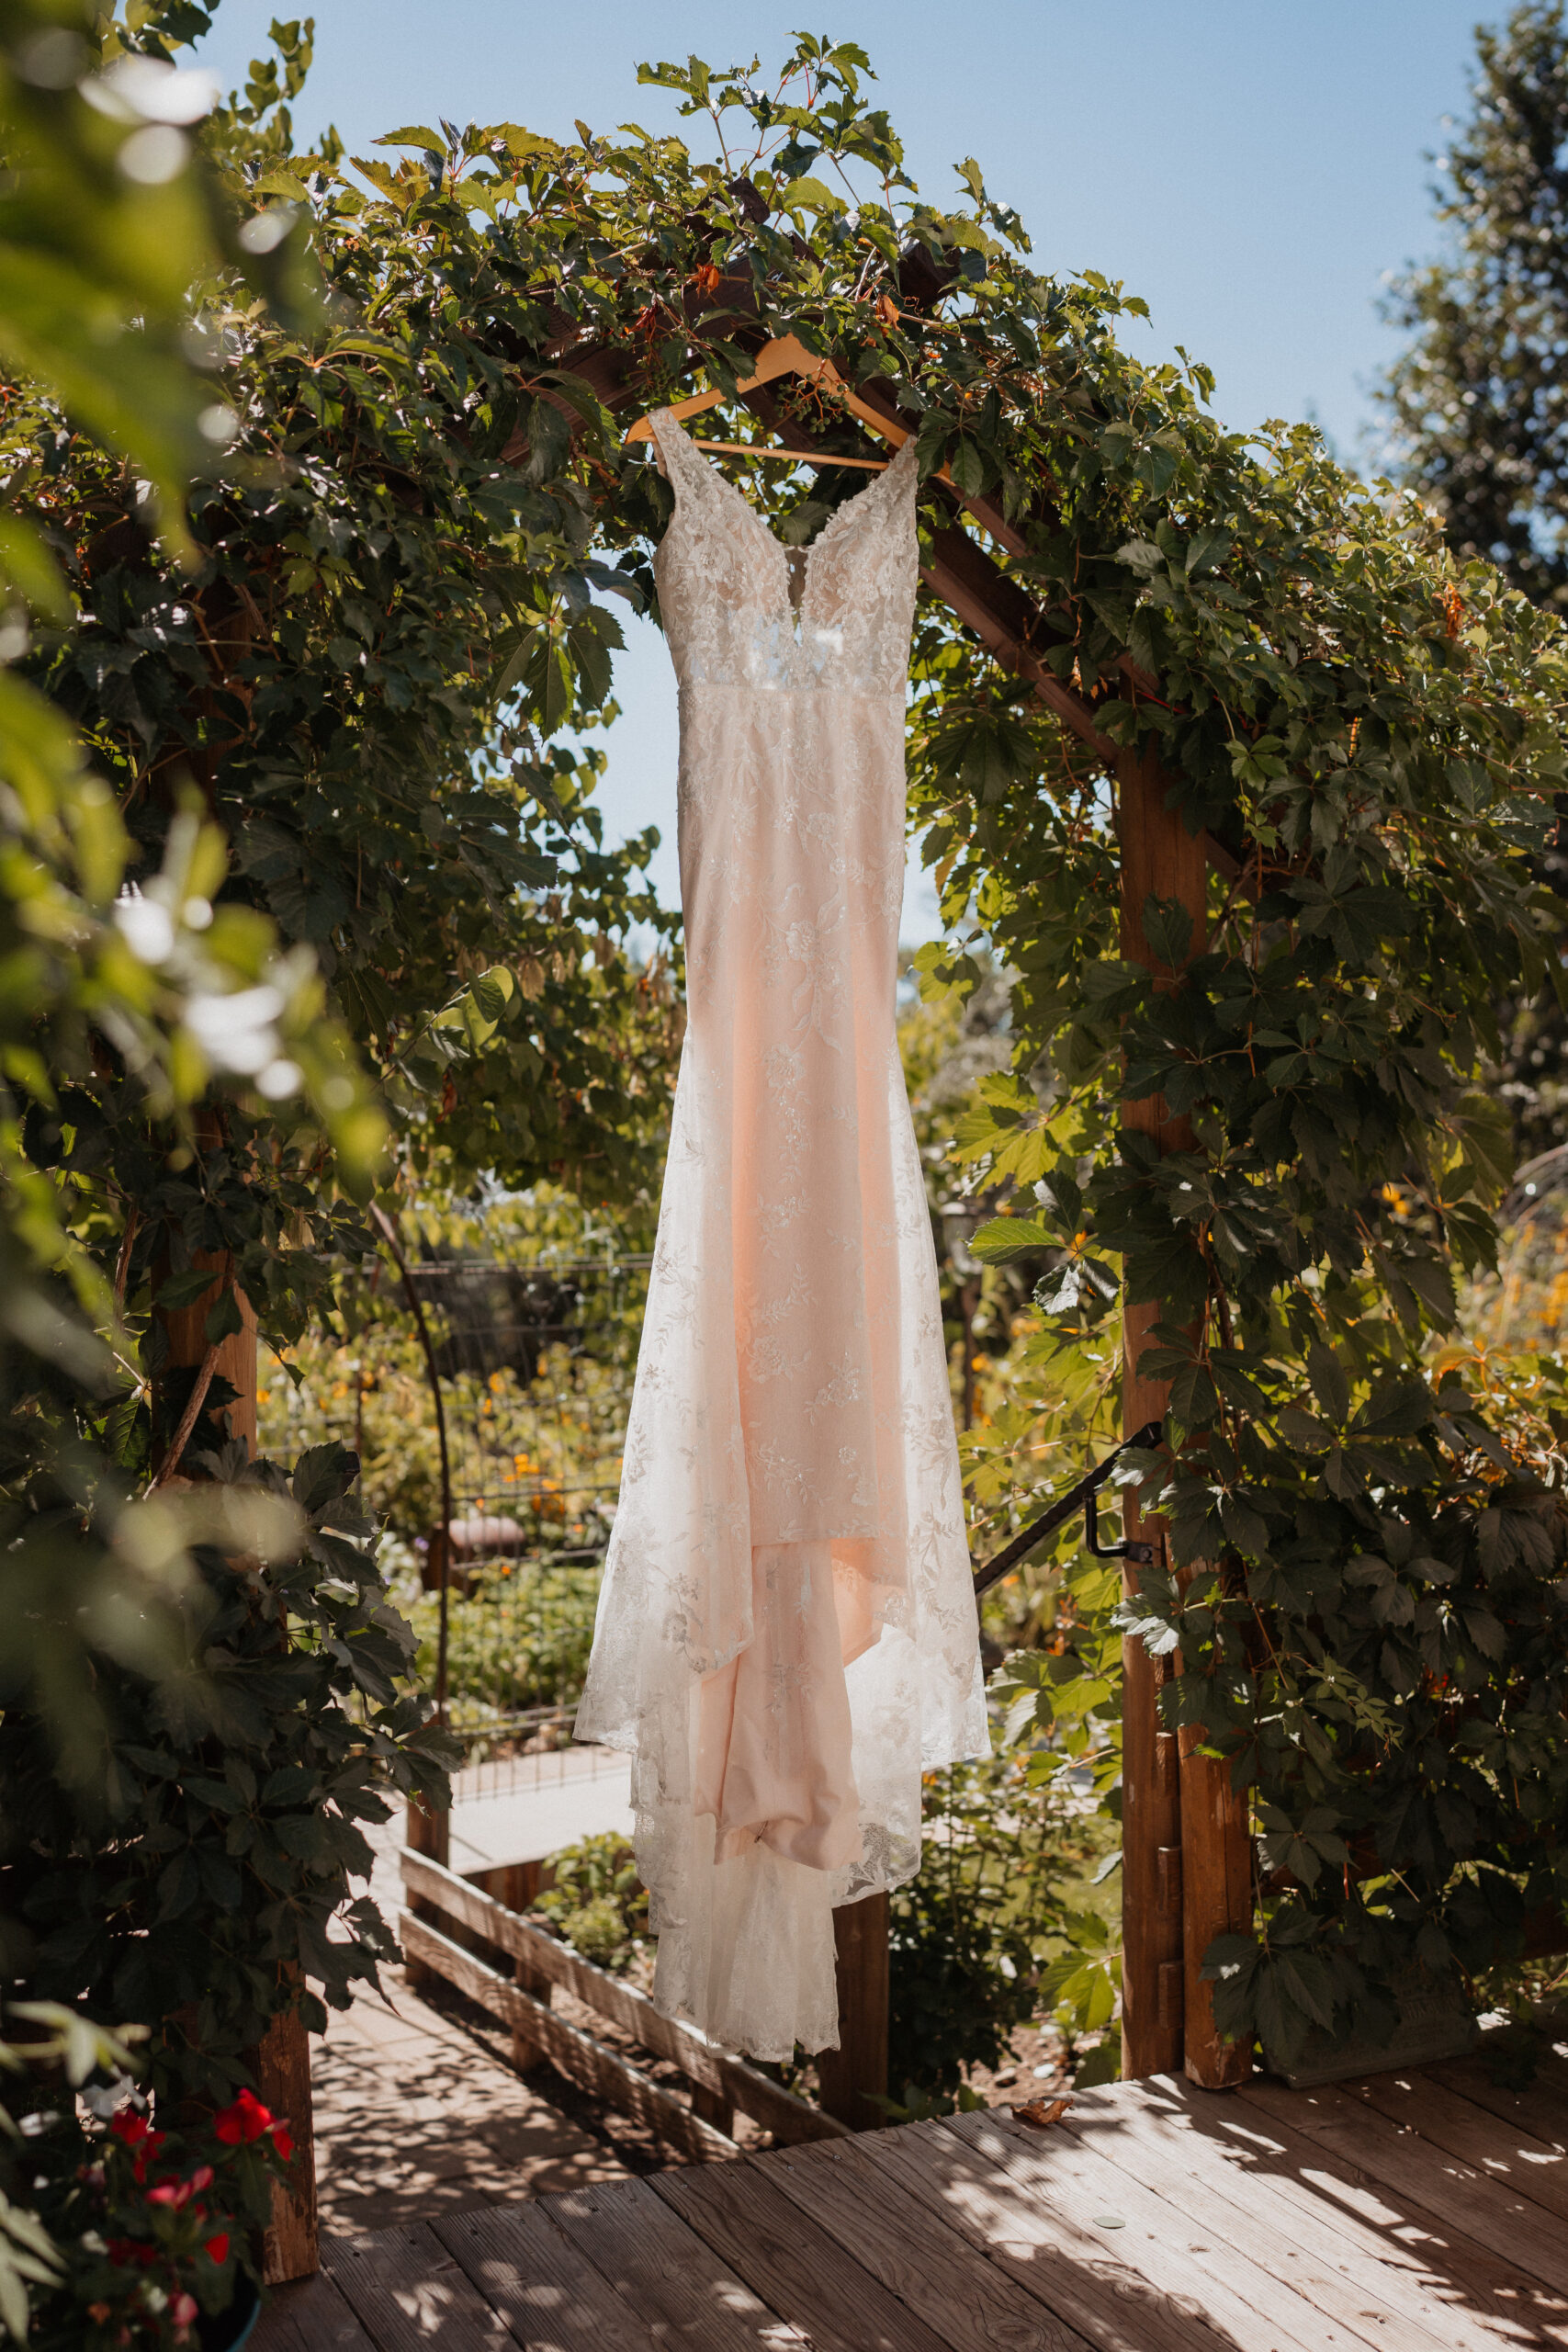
x=409 y=551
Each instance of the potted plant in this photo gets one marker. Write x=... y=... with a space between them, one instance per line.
x=152 y=2226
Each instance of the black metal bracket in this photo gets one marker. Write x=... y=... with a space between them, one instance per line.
x=1085 y=1493
x=1141 y=1554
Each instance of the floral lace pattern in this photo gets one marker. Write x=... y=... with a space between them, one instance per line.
x=787 y=1634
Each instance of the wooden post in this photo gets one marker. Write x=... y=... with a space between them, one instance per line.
x=1159 y=859
x=236 y=1363
x=281 y=2060
x=1216 y=1879
x=859 y=2066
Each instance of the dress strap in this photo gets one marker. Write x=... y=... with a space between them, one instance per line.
x=679 y=461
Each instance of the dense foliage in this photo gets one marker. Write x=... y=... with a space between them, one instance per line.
x=178 y=1787
x=394 y=611
x=975 y=1942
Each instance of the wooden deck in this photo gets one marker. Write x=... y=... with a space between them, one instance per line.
x=1420 y=2212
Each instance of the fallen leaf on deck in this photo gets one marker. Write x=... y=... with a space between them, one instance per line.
x=1041 y=2111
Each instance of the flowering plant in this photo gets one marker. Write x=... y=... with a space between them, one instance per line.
x=152 y=2224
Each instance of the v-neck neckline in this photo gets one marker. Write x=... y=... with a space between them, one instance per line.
x=781 y=547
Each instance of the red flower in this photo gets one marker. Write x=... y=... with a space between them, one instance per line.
x=281 y=2141
x=217 y=2248
x=246 y=2120
x=132 y=2253
x=130 y=2126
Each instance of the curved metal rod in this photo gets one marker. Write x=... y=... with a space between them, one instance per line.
x=389 y=1235
x=1079 y=1497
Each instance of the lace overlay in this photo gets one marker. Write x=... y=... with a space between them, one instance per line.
x=786 y=1634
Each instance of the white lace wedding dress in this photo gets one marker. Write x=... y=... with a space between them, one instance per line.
x=786 y=1634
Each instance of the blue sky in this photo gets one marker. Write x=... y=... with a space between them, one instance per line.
x=1252 y=168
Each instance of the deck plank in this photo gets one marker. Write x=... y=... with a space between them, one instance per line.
x=1494 y=2215
x=408 y=2291
x=805 y=2274
x=1503 y=2151
x=1163 y=2141
x=309 y=2316
x=670 y=2276
x=1418 y=2253
x=541 y=2285
x=1410 y=2212
x=970 y=2302
x=1541 y=2108
x=1260 y=2313
x=1113 y=2308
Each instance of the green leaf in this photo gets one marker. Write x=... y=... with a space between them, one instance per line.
x=808 y=194
x=1168 y=928
x=1330 y=1381
x=179 y=1291
x=1009 y=1238
x=223 y=1317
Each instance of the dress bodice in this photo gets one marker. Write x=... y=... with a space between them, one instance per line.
x=723 y=583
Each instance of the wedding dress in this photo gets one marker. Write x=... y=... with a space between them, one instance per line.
x=787 y=1634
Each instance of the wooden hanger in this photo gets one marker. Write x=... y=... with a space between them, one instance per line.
x=787 y=355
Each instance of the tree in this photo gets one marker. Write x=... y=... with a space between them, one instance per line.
x=1477 y=406
x=1477 y=416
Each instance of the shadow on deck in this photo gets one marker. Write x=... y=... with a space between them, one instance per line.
x=1418 y=2213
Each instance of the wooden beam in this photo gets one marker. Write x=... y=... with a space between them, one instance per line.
x=184 y=1329
x=1216 y=1900
x=282 y=2067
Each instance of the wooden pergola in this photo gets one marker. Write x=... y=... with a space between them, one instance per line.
x=1186 y=1852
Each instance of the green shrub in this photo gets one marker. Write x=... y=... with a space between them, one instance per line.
x=192 y=1889
x=968 y=1937
x=519 y=1637
x=597 y=1903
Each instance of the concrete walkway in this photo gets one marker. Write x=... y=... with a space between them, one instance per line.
x=529 y=1807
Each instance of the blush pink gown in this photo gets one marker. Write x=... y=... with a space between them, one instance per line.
x=787 y=1634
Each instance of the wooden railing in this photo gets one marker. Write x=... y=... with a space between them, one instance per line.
x=721 y=2085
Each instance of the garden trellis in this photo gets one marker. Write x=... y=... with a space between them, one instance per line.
x=1206 y=741
x=532 y=1364
x=1236 y=771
